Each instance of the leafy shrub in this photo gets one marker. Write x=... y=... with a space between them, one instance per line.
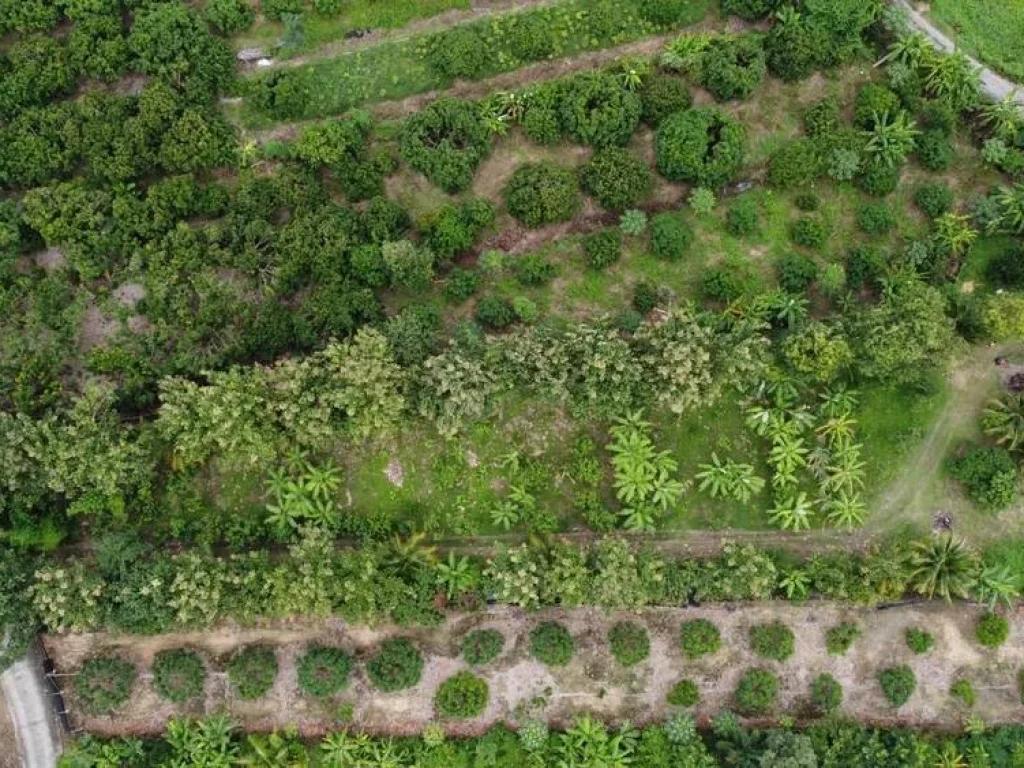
x=934 y=199
x=446 y=141
x=540 y=193
x=666 y=13
x=919 y=641
x=633 y=223
x=699 y=637
x=808 y=202
x=551 y=644
x=460 y=285
x=323 y=671
x=733 y=278
x=495 y=312
x=756 y=692
x=733 y=67
x=415 y=333
x=702 y=201
x=874 y=100
x=796 y=164
x=529 y=37
x=670 y=236
x=630 y=643
x=603 y=248
x=796 y=272
x=617 y=179
x=808 y=231
x=685 y=693
x=526 y=310
x=934 y=150
x=458 y=52
x=989 y=474
x=751 y=10
x=864 y=265
x=898 y=684
x=533 y=269
x=772 y=641
x=276 y=10
x=876 y=218
x=841 y=637
x=229 y=17
x=645 y=297
x=826 y=694
x=450 y=231
x=482 y=646
x=964 y=691
x=597 y=111
x=992 y=630
x=178 y=675
x=104 y=683
x=252 y=671
x=742 y=217
x=662 y=95
x=701 y=146
x=396 y=666
x=541 y=120
x=822 y=117
x=461 y=696
x=409 y=265
x=1007 y=268
x=879 y=179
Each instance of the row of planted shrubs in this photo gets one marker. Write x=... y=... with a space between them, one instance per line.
x=179 y=675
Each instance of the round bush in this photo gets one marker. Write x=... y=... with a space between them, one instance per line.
x=603 y=248
x=898 y=684
x=459 y=52
x=934 y=150
x=551 y=644
x=540 y=193
x=699 y=637
x=323 y=671
x=178 y=675
x=482 y=646
x=808 y=232
x=992 y=630
x=461 y=696
x=597 y=111
x=841 y=637
x=460 y=285
x=919 y=641
x=705 y=147
x=103 y=684
x=529 y=37
x=772 y=641
x=934 y=199
x=733 y=278
x=796 y=272
x=665 y=13
x=796 y=164
x=826 y=694
x=252 y=671
x=534 y=269
x=964 y=691
x=822 y=117
x=876 y=218
x=878 y=179
x=742 y=218
x=685 y=693
x=756 y=692
x=989 y=474
x=1007 y=268
x=874 y=100
x=733 y=67
x=397 y=665
x=495 y=312
x=630 y=643
x=446 y=141
x=645 y=297
x=670 y=236
x=807 y=202
x=751 y=10
x=229 y=17
x=662 y=95
x=617 y=179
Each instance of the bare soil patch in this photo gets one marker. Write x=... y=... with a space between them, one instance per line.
x=592 y=681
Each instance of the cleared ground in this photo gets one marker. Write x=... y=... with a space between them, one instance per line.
x=593 y=681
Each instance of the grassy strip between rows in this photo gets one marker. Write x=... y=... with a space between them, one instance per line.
x=356 y=15
x=474 y=51
x=993 y=31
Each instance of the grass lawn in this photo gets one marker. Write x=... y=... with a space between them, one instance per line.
x=992 y=30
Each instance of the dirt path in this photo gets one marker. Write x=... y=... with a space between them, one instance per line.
x=479 y=9
x=593 y=681
x=10 y=755
x=38 y=743
x=993 y=85
x=973 y=382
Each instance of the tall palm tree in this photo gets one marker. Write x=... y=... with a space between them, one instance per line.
x=943 y=566
x=1003 y=419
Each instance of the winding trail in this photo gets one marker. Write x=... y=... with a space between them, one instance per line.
x=994 y=85
x=35 y=730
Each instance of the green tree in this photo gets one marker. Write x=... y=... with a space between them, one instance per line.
x=943 y=566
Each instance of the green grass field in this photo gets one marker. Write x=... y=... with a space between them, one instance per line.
x=992 y=30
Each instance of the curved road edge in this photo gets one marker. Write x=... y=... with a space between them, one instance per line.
x=32 y=715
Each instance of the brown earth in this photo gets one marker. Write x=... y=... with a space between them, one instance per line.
x=593 y=681
x=8 y=743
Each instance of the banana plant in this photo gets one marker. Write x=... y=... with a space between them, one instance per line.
x=455 y=575
x=792 y=513
x=846 y=510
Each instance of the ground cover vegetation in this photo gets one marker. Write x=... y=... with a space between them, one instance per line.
x=586 y=742
x=210 y=342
